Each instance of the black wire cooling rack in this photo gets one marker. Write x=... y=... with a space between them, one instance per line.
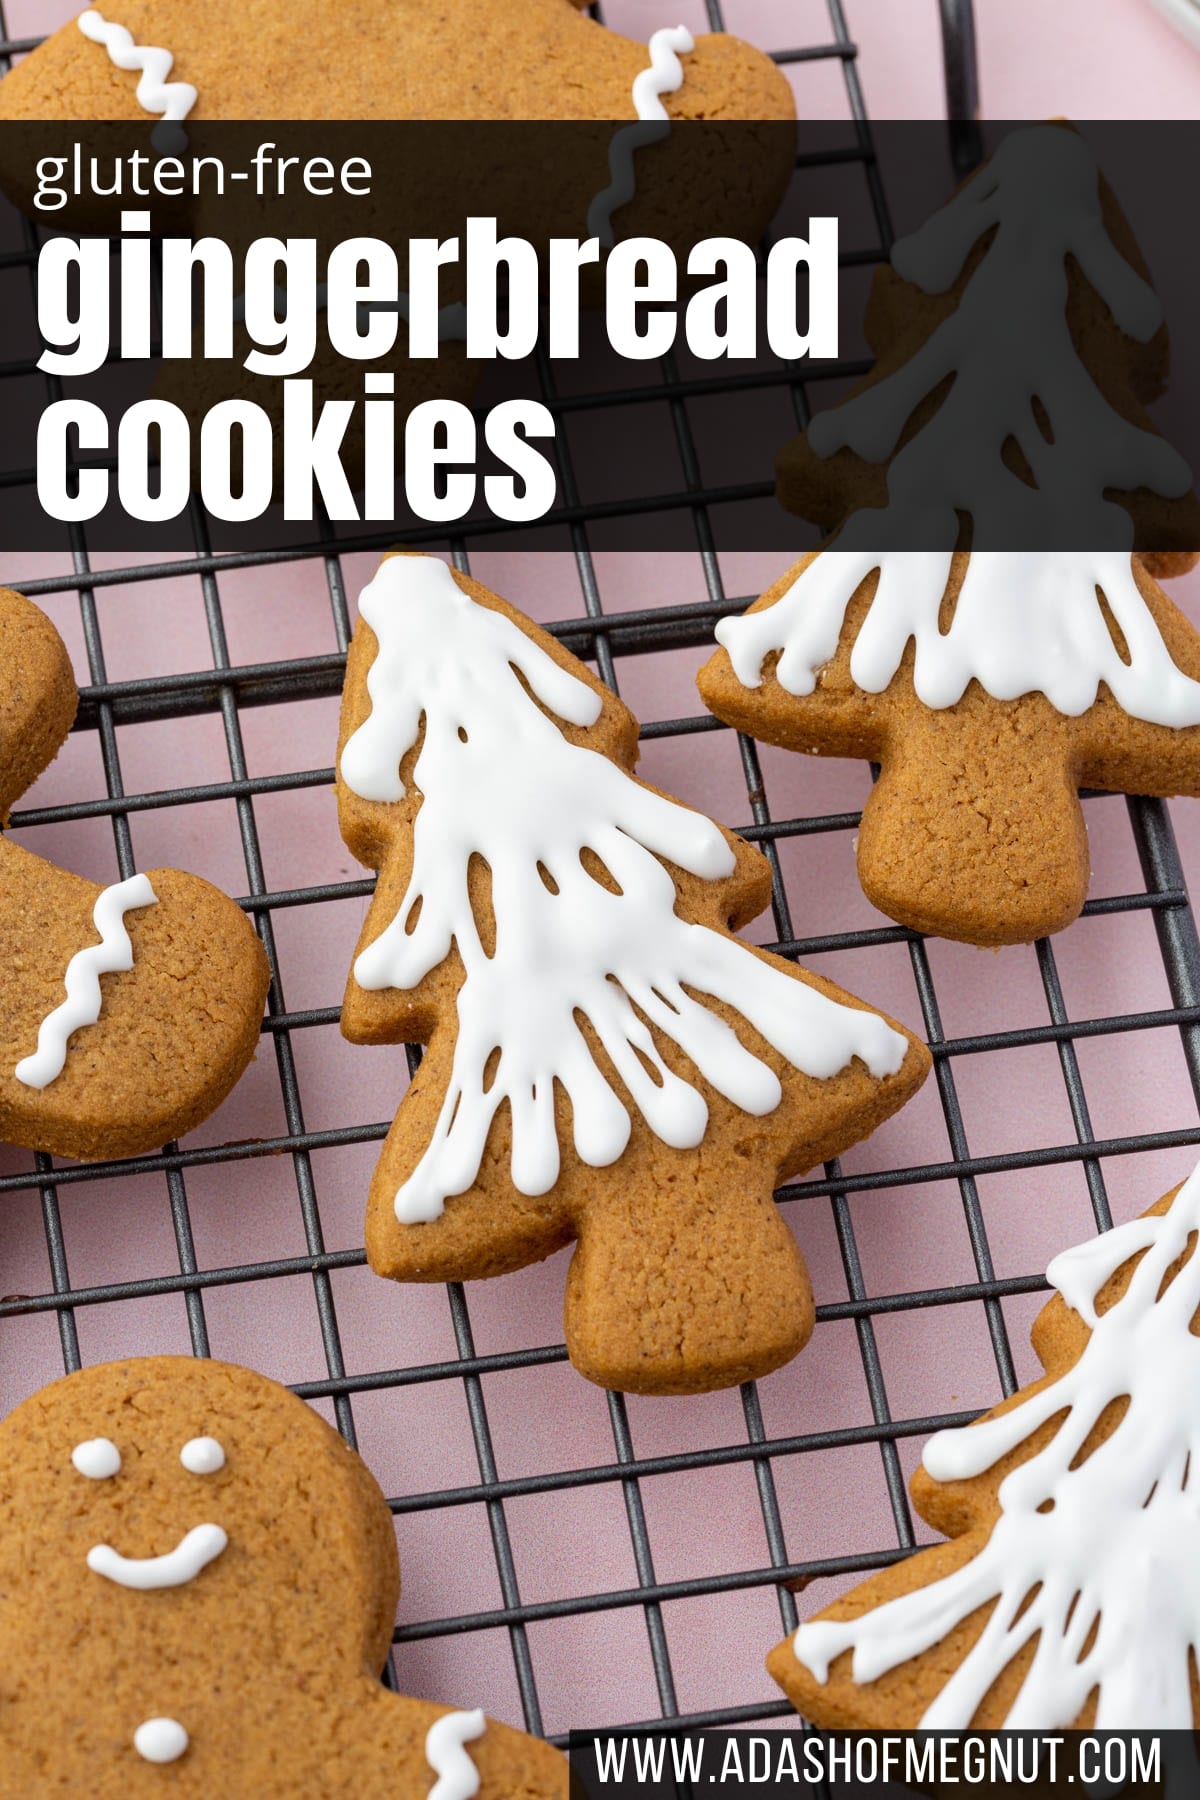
x=227 y=691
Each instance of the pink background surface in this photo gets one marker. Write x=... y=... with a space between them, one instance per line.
x=596 y=1668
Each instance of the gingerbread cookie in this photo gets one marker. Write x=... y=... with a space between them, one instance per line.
x=606 y=1061
x=128 y=1011
x=201 y=1583
x=1018 y=342
x=1066 y=1596
x=990 y=689
x=174 y=67
x=480 y=59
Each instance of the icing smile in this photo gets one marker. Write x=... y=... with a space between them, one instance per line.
x=193 y=1553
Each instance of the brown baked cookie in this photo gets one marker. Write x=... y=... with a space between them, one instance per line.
x=1018 y=342
x=990 y=689
x=201 y=1583
x=378 y=59
x=161 y=62
x=606 y=1061
x=1067 y=1595
x=127 y=1013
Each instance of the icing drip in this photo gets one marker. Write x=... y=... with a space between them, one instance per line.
x=113 y=954
x=147 y=1574
x=1024 y=622
x=1008 y=344
x=457 y=1776
x=1112 y=1558
x=98 y=1459
x=500 y=781
x=664 y=76
x=202 y=1456
x=160 y=1740
x=172 y=100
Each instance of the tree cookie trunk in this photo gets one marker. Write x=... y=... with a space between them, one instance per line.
x=974 y=829
x=686 y=1277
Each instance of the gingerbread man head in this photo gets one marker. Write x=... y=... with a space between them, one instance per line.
x=201 y=1581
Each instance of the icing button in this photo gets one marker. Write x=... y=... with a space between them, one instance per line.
x=160 y=1740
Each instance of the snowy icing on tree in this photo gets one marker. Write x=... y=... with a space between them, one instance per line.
x=499 y=780
x=1095 y=1559
x=1027 y=618
x=1024 y=622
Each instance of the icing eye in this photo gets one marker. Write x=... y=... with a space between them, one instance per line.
x=98 y=1459
x=202 y=1456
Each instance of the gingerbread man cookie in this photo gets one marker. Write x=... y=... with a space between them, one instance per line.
x=129 y=1011
x=201 y=1583
x=172 y=67
x=607 y=1061
x=1067 y=1595
x=480 y=59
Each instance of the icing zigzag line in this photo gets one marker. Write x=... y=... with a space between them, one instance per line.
x=113 y=954
x=174 y=100
x=664 y=76
x=457 y=1776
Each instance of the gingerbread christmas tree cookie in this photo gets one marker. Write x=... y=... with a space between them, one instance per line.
x=990 y=688
x=201 y=1583
x=129 y=1011
x=1018 y=342
x=607 y=1062
x=1067 y=1595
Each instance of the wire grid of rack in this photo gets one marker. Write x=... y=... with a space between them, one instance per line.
x=227 y=690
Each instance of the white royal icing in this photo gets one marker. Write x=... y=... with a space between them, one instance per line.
x=1007 y=343
x=147 y=1574
x=202 y=1456
x=160 y=1740
x=664 y=76
x=499 y=780
x=1024 y=622
x=172 y=100
x=98 y=1459
x=457 y=1776
x=82 y=1005
x=1104 y=1550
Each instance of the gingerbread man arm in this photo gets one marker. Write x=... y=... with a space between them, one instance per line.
x=401 y=1751
x=129 y=1012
